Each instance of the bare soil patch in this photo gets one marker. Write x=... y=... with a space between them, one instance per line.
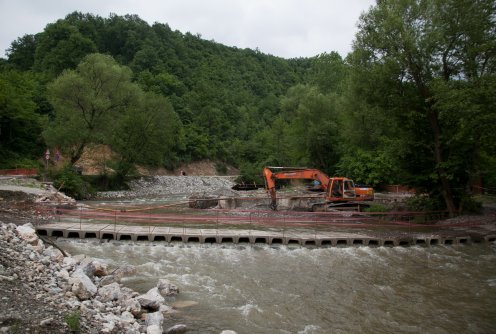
x=95 y=161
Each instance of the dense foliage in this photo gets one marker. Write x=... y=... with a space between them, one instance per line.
x=413 y=103
x=20 y=124
x=427 y=65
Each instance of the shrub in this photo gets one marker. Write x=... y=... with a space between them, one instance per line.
x=72 y=183
x=221 y=168
x=376 y=208
x=106 y=182
x=250 y=173
x=468 y=204
x=424 y=202
x=73 y=321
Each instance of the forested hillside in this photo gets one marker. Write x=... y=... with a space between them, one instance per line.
x=216 y=91
x=413 y=103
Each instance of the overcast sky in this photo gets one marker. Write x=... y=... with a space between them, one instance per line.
x=284 y=28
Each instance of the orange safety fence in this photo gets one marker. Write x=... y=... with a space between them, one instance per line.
x=19 y=172
x=265 y=218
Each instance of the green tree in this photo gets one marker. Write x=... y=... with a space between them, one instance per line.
x=61 y=46
x=21 y=52
x=196 y=143
x=124 y=36
x=405 y=48
x=328 y=72
x=163 y=83
x=98 y=103
x=87 y=102
x=147 y=133
x=313 y=127
x=470 y=110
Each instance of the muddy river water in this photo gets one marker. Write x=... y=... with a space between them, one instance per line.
x=264 y=289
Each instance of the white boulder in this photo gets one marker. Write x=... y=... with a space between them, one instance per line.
x=27 y=233
x=154 y=318
x=153 y=329
x=177 y=329
x=110 y=292
x=133 y=306
x=166 y=288
x=82 y=286
x=151 y=300
x=54 y=254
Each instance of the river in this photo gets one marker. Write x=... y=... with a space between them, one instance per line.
x=264 y=289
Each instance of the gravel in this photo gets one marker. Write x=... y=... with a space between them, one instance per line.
x=29 y=300
x=160 y=186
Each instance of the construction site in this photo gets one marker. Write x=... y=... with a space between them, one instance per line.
x=309 y=210
x=241 y=257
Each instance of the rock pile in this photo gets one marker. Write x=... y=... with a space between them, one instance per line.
x=58 y=294
x=159 y=186
x=55 y=197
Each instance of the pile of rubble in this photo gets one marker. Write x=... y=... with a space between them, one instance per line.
x=29 y=201
x=55 y=197
x=33 y=190
x=44 y=291
x=160 y=186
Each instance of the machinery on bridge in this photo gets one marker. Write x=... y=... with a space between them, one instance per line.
x=339 y=191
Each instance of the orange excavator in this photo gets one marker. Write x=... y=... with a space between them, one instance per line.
x=339 y=191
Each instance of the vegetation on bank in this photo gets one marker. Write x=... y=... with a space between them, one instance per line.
x=412 y=104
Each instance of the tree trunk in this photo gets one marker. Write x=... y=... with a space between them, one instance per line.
x=441 y=171
x=79 y=151
x=433 y=117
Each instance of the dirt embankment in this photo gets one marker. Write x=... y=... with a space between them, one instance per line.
x=22 y=200
x=96 y=160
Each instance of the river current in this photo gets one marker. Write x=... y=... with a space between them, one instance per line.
x=264 y=289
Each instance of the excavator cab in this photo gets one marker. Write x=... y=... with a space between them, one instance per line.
x=341 y=189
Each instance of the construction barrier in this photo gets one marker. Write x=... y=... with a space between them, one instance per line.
x=19 y=172
x=170 y=215
x=176 y=222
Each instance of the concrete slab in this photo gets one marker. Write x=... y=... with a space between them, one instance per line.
x=161 y=230
x=209 y=232
x=71 y=230
x=135 y=233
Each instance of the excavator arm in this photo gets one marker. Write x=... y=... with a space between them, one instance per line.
x=271 y=174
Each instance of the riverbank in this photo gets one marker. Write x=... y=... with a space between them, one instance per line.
x=45 y=291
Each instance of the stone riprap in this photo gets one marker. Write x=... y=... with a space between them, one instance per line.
x=50 y=288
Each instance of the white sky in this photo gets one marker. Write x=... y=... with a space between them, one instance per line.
x=284 y=28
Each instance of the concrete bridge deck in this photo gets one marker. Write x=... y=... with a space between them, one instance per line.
x=250 y=236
